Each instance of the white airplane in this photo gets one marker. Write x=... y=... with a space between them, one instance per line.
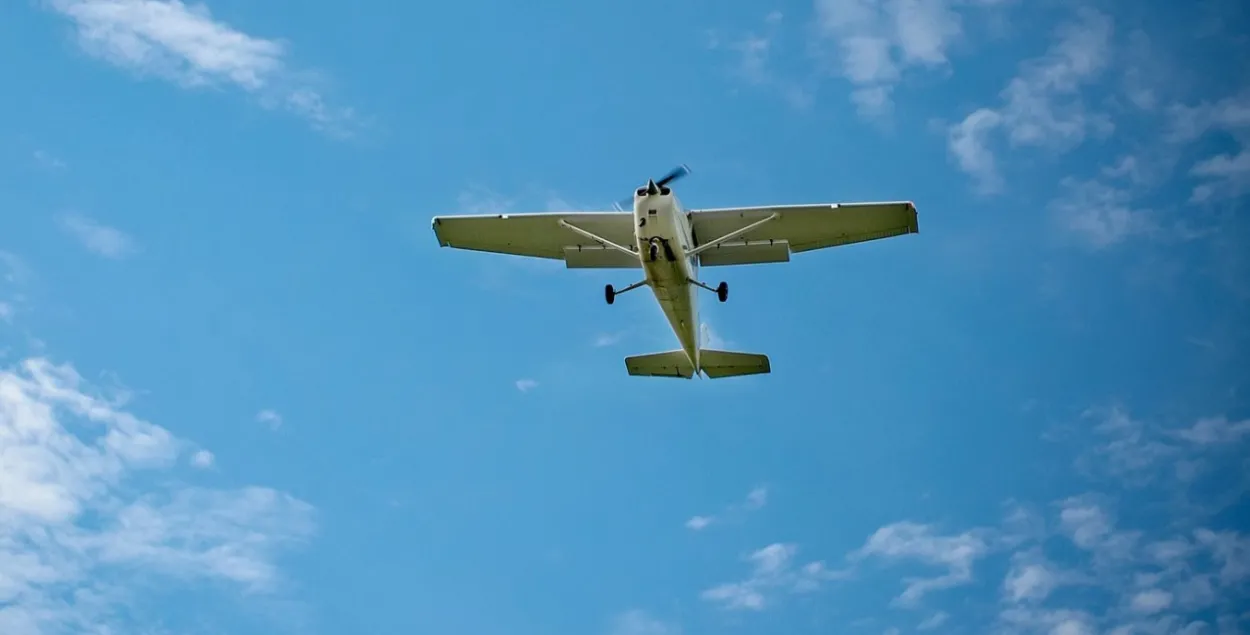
x=669 y=244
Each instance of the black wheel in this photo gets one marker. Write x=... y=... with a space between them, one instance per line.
x=609 y=294
x=722 y=291
x=655 y=252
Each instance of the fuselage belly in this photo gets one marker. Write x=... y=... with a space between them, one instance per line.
x=661 y=229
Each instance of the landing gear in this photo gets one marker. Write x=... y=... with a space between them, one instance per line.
x=609 y=293
x=721 y=290
x=654 y=251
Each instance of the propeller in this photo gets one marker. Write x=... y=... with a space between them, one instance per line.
x=655 y=186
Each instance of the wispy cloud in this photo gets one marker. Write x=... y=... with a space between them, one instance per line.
x=637 y=622
x=1173 y=570
x=752 y=53
x=1042 y=106
x=203 y=459
x=933 y=621
x=81 y=529
x=608 y=339
x=754 y=500
x=914 y=541
x=1225 y=175
x=772 y=571
x=1101 y=215
x=183 y=43
x=98 y=238
x=526 y=385
x=270 y=418
x=873 y=44
x=45 y=159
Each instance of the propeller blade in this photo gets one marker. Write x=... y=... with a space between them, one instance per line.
x=677 y=173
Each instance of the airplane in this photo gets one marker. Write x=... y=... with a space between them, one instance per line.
x=670 y=243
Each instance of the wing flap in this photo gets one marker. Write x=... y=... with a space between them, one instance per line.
x=808 y=227
x=742 y=252
x=534 y=235
x=598 y=257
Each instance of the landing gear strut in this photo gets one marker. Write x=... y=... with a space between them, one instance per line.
x=721 y=290
x=609 y=293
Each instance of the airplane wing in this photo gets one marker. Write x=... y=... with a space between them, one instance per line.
x=543 y=235
x=797 y=228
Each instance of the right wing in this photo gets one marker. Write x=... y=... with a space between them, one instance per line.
x=797 y=228
x=542 y=236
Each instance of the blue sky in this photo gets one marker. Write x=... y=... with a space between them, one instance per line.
x=243 y=390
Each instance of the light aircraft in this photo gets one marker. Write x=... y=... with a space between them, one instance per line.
x=669 y=244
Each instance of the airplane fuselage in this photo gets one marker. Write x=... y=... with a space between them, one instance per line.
x=663 y=238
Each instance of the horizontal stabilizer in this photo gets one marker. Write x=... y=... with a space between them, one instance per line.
x=669 y=364
x=717 y=364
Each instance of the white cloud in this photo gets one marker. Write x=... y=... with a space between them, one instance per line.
x=698 y=523
x=608 y=339
x=203 y=459
x=1041 y=106
x=1151 y=601
x=270 y=418
x=526 y=385
x=99 y=239
x=933 y=621
x=913 y=541
x=968 y=141
x=874 y=42
x=753 y=54
x=185 y=44
x=80 y=526
x=1100 y=215
x=772 y=571
x=754 y=500
x=637 y=622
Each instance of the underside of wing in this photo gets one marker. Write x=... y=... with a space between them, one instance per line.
x=544 y=235
x=797 y=228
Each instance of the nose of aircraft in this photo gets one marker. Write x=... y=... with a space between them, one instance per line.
x=652 y=188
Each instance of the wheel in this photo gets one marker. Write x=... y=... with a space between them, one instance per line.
x=722 y=291
x=609 y=294
x=655 y=252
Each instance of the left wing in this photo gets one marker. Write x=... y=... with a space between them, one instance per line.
x=543 y=236
x=797 y=228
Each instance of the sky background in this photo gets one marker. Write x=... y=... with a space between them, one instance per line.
x=243 y=390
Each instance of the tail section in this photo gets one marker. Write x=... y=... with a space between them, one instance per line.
x=715 y=364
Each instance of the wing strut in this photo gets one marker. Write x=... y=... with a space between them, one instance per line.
x=730 y=236
x=602 y=241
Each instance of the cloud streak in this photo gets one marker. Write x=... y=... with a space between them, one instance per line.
x=184 y=44
x=100 y=239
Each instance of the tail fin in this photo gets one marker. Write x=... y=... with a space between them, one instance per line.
x=669 y=364
x=717 y=364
